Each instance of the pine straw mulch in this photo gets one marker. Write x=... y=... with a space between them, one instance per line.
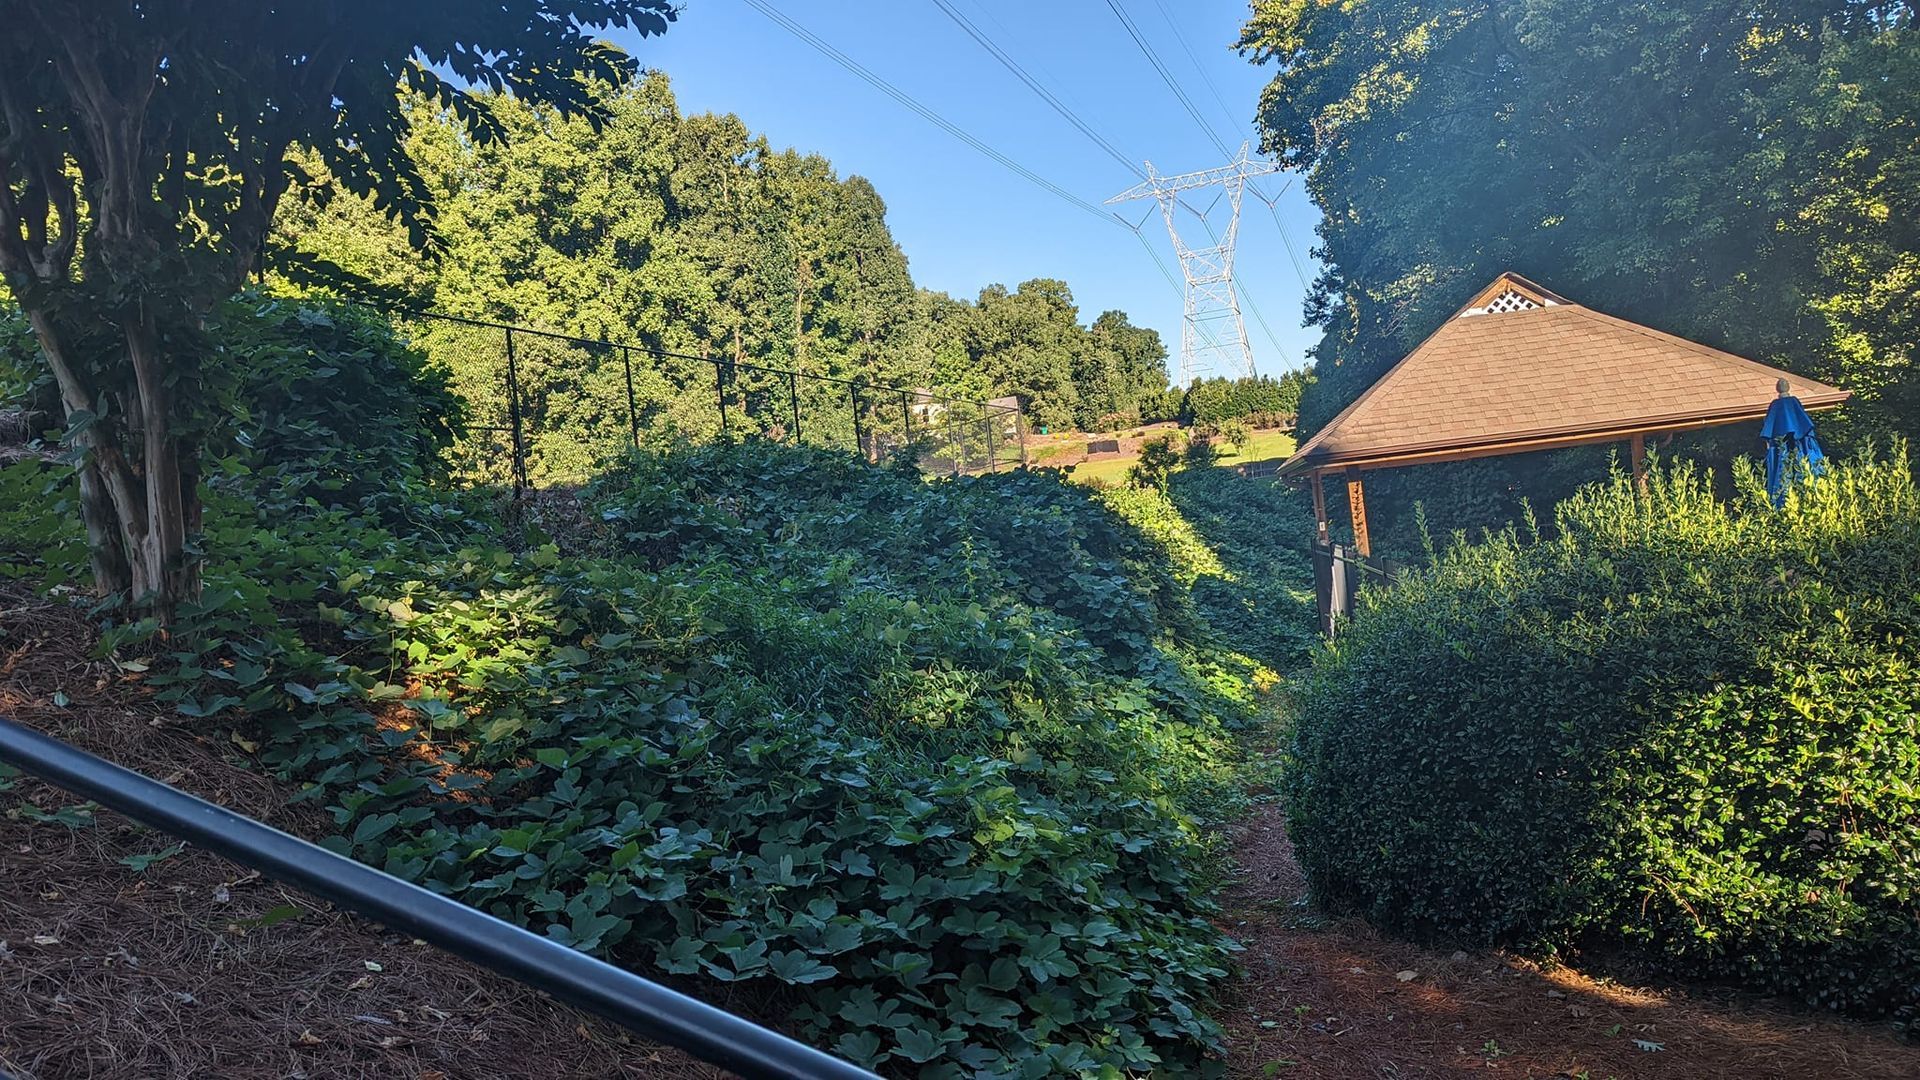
x=1333 y=999
x=107 y=972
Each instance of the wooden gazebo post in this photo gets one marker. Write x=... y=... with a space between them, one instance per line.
x=1357 y=507
x=1320 y=505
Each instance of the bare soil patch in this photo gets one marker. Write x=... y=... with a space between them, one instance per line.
x=1334 y=999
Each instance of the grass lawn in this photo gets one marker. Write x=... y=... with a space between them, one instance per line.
x=1112 y=472
x=1265 y=445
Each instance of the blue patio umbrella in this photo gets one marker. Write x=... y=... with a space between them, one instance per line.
x=1793 y=451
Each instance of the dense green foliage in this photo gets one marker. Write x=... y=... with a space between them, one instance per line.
x=143 y=155
x=1261 y=604
x=1679 y=726
x=308 y=401
x=943 y=758
x=692 y=234
x=1744 y=178
x=1262 y=400
x=324 y=402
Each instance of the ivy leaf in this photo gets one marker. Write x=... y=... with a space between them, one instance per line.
x=139 y=864
x=917 y=1045
x=374 y=827
x=274 y=917
x=797 y=967
x=861 y=1047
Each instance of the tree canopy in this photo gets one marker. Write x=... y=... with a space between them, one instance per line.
x=1744 y=176
x=692 y=234
x=143 y=155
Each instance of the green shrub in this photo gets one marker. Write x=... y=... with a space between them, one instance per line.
x=308 y=399
x=19 y=353
x=1261 y=401
x=322 y=401
x=1200 y=452
x=1683 y=727
x=1159 y=456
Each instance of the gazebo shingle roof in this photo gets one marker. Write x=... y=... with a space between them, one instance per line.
x=1521 y=368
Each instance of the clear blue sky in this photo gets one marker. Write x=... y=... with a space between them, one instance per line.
x=966 y=221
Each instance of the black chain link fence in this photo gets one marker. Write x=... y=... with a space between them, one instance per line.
x=547 y=407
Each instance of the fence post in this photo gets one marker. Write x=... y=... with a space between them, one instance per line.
x=1020 y=428
x=906 y=421
x=993 y=449
x=793 y=395
x=859 y=437
x=720 y=392
x=633 y=410
x=513 y=413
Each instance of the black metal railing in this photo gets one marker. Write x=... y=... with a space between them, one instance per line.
x=645 y=1008
x=547 y=406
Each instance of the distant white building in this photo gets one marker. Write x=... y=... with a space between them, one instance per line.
x=926 y=406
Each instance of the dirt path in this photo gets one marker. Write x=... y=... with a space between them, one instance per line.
x=194 y=967
x=1335 y=1000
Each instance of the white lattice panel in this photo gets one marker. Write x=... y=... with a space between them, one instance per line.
x=1511 y=300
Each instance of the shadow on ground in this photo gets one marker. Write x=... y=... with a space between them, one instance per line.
x=1333 y=999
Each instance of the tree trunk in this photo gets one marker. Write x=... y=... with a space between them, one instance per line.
x=163 y=575
x=138 y=513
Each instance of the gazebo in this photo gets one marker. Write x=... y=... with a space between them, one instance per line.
x=1520 y=368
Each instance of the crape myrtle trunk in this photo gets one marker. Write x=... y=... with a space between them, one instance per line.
x=138 y=475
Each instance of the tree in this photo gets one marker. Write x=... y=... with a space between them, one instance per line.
x=1027 y=340
x=1740 y=175
x=1120 y=368
x=144 y=150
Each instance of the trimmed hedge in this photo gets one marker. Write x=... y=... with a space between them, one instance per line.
x=1685 y=728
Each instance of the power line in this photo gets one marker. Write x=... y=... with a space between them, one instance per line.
x=1053 y=100
x=1151 y=251
x=1033 y=84
x=925 y=113
x=980 y=37
x=1212 y=87
x=1261 y=318
x=1007 y=61
x=1286 y=240
x=1207 y=129
x=1153 y=58
x=1133 y=31
x=906 y=99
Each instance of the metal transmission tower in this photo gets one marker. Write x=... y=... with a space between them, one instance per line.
x=1213 y=333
